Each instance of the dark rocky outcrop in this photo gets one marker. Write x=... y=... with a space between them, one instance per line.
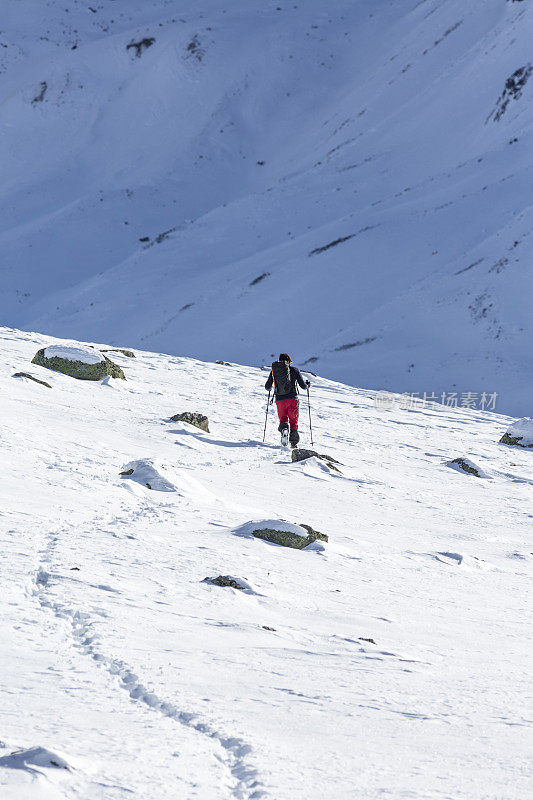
x=259 y=279
x=301 y=454
x=514 y=86
x=334 y=243
x=195 y=49
x=223 y=363
x=40 y=97
x=312 y=534
x=79 y=369
x=141 y=45
x=519 y=433
x=290 y=538
x=350 y=345
x=225 y=580
x=466 y=466
x=514 y=440
x=31 y=378
x=198 y=420
x=283 y=538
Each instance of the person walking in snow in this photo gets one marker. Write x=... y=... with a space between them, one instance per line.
x=284 y=378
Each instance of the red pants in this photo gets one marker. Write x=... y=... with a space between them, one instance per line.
x=288 y=412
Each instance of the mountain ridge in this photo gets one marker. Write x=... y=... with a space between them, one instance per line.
x=242 y=140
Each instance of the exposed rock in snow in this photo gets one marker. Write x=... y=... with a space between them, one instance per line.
x=519 y=433
x=82 y=363
x=198 y=420
x=31 y=378
x=514 y=86
x=314 y=535
x=141 y=45
x=223 y=363
x=230 y=581
x=283 y=538
x=283 y=533
x=465 y=465
x=300 y=454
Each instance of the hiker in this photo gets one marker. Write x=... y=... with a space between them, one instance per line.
x=284 y=378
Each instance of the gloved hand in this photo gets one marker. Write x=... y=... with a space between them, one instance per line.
x=308 y=384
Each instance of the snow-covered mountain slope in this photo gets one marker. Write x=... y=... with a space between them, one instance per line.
x=350 y=182
x=388 y=662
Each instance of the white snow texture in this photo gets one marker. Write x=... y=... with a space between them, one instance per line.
x=389 y=662
x=350 y=182
x=84 y=355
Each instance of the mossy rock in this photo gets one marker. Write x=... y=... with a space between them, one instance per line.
x=31 y=378
x=283 y=538
x=198 y=420
x=127 y=353
x=224 y=581
x=314 y=535
x=514 y=440
x=79 y=369
x=290 y=538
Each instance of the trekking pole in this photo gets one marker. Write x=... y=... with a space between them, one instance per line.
x=310 y=424
x=266 y=417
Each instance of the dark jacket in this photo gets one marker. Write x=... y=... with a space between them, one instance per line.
x=295 y=378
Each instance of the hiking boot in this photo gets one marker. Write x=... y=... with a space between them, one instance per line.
x=294 y=437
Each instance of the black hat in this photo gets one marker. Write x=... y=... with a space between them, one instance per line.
x=285 y=357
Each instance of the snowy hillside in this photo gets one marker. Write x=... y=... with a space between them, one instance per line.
x=388 y=662
x=350 y=182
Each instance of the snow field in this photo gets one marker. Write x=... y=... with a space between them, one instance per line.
x=397 y=663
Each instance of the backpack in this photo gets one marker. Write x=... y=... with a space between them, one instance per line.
x=281 y=372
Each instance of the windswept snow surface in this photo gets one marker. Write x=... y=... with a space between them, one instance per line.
x=390 y=662
x=178 y=175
